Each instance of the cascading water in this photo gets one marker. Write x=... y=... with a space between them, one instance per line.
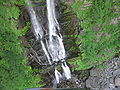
x=56 y=47
x=55 y=44
x=55 y=51
x=38 y=30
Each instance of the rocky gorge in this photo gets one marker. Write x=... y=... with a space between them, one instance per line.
x=106 y=77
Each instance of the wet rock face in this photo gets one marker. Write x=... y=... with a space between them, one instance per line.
x=77 y=81
x=107 y=78
x=68 y=25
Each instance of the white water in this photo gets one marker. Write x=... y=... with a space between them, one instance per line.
x=56 y=47
x=55 y=44
x=38 y=31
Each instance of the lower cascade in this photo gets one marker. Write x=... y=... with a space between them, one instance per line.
x=53 y=47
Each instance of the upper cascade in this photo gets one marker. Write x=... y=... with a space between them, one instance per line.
x=55 y=44
x=54 y=47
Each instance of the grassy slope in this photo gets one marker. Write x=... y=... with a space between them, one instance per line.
x=100 y=38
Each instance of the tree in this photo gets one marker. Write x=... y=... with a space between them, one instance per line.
x=14 y=75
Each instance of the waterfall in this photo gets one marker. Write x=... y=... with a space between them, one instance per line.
x=55 y=44
x=38 y=30
x=54 y=49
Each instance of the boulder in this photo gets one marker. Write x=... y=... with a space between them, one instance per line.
x=117 y=81
x=95 y=72
x=93 y=83
x=116 y=72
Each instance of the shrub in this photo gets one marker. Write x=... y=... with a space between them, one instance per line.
x=14 y=75
x=100 y=38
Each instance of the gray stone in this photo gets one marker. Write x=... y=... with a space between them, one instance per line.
x=118 y=63
x=117 y=81
x=116 y=72
x=111 y=80
x=112 y=86
x=95 y=72
x=104 y=84
x=104 y=79
x=93 y=83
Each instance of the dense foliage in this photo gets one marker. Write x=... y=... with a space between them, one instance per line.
x=100 y=38
x=98 y=41
x=14 y=75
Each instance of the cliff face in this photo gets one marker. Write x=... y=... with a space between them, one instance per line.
x=95 y=78
x=68 y=25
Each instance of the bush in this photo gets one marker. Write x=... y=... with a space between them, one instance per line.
x=14 y=75
x=100 y=38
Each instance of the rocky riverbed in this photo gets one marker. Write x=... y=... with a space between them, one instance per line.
x=106 y=77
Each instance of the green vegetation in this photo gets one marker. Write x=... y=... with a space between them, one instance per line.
x=100 y=38
x=14 y=74
x=98 y=41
